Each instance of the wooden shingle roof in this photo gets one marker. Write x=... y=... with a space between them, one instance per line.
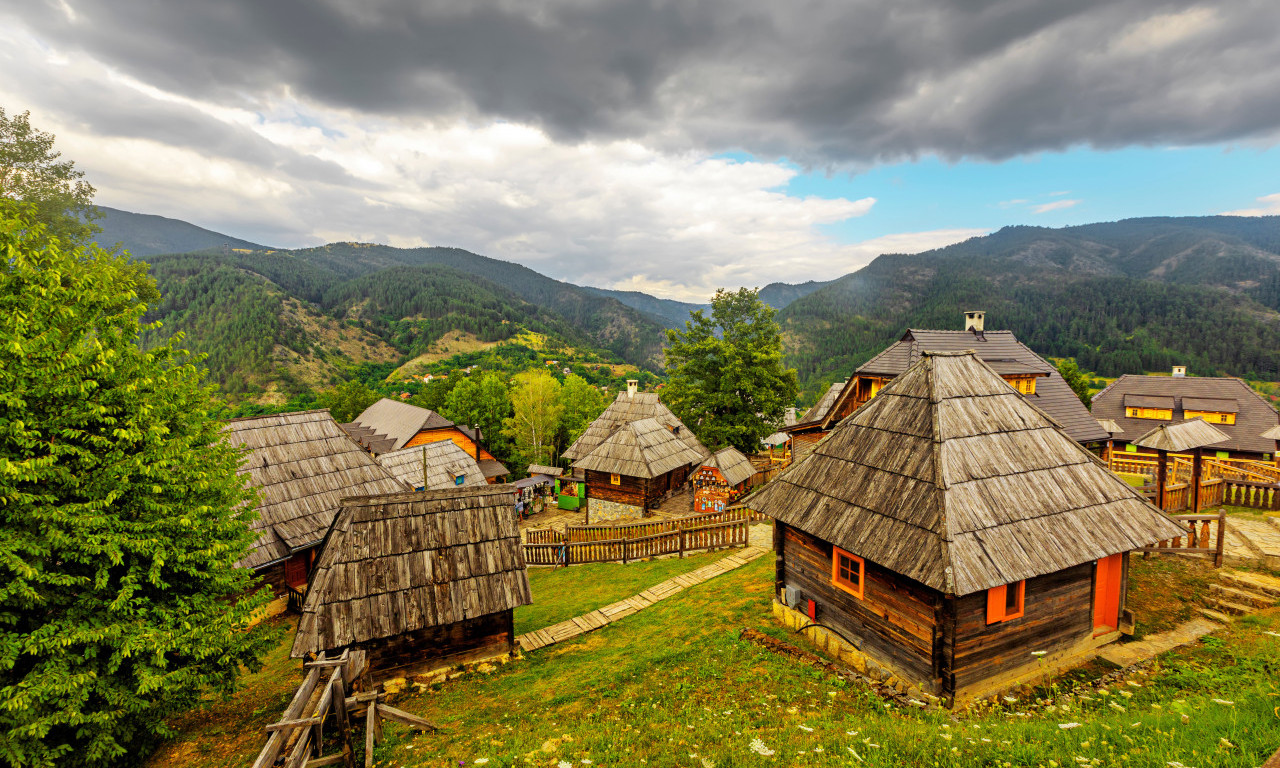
x=733 y=466
x=542 y=469
x=388 y=424
x=404 y=562
x=1002 y=351
x=302 y=464
x=821 y=408
x=643 y=448
x=445 y=462
x=1183 y=436
x=625 y=409
x=1253 y=414
x=949 y=477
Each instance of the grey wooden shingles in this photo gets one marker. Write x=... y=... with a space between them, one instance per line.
x=445 y=462
x=302 y=464
x=953 y=479
x=404 y=562
x=625 y=409
x=643 y=448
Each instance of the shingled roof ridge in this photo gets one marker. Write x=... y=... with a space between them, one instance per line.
x=241 y=419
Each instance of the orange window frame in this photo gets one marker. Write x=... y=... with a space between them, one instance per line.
x=614 y=479
x=997 y=602
x=857 y=590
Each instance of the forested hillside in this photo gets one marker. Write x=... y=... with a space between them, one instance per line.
x=144 y=234
x=1123 y=297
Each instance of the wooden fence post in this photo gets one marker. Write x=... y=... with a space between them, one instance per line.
x=1222 y=535
x=681 y=542
x=344 y=723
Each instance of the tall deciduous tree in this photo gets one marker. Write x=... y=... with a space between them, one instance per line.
x=31 y=172
x=481 y=400
x=121 y=515
x=727 y=381
x=582 y=402
x=535 y=416
x=347 y=400
x=1076 y=380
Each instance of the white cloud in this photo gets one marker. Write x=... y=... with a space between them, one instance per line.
x=1270 y=207
x=1056 y=205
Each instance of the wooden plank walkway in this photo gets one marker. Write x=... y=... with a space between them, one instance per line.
x=589 y=622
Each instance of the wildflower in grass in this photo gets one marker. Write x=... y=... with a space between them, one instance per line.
x=564 y=764
x=1038 y=654
x=1186 y=719
x=1126 y=694
x=1068 y=726
x=854 y=752
x=480 y=761
x=1011 y=699
x=806 y=729
x=1116 y=707
x=1224 y=702
x=945 y=736
x=1224 y=743
x=706 y=763
x=819 y=749
x=759 y=748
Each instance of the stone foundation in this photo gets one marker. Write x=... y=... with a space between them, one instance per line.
x=601 y=511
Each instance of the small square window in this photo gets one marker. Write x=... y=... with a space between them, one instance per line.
x=614 y=479
x=1005 y=602
x=848 y=571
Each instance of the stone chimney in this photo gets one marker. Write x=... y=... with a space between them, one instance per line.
x=632 y=385
x=1179 y=371
x=973 y=320
x=790 y=417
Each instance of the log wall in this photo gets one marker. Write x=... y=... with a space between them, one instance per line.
x=630 y=490
x=895 y=622
x=435 y=647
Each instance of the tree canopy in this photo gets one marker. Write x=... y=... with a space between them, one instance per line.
x=347 y=400
x=31 y=172
x=727 y=380
x=1075 y=379
x=121 y=514
x=535 y=416
x=481 y=400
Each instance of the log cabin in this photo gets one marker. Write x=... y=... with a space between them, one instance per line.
x=1139 y=403
x=721 y=480
x=390 y=425
x=419 y=581
x=952 y=539
x=433 y=466
x=629 y=470
x=302 y=465
x=1035 y=378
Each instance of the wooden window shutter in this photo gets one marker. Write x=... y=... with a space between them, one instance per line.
x=995 y=604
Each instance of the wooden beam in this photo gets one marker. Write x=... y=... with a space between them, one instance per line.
x=316 y=762
x=404 y=718
x=276 y=741
x=370 y=729
x=287 y=724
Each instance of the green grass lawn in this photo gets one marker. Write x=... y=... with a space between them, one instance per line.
x=562 y=593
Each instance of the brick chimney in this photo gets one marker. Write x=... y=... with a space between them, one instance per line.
x=973 y=320
x=632 y=385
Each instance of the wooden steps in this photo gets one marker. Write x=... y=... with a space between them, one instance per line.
x=1239 y=593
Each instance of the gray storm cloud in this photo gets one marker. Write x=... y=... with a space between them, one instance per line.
x=819 y=82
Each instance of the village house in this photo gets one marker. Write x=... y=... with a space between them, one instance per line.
x=633 y=456
x=302 y=464
x=418 y=581
x=951 y=538
x=1139 y=403
x=1035 y=378
x=433 y=466
x=388 y=425
x=721 y=480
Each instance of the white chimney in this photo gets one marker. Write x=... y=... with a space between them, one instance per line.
x=790 y=417
x=1179 y=371
x=973 y=319
x=632 y=385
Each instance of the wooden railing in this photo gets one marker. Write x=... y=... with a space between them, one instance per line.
x=1139 y=463
x=1242 y=493
x=297 y=739
x=1201 y=538
x=296 y=597
x=712 y=535
x=1251 y=471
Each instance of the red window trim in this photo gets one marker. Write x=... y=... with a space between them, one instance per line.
x=996 y=612
x=860 y=590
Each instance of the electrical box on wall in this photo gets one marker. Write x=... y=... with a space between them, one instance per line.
x=790 y=597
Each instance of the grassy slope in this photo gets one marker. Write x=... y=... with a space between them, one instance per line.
x=673 y=685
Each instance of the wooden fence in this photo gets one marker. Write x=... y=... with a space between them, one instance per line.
x=713 y=535
x=297 y=739
x=1139 y=463
x=1242 y=493
x=1201 y=538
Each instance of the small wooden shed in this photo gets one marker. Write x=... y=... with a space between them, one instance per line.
x=634 y=470
x=302 y=464
x=721 y=479
x=433 y=466
x=419 y=581
x=953 y=538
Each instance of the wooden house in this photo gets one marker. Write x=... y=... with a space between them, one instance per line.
x=1139 y=403
x=302 y=464
x=949 y=533
x=433 y=466
x=1035 y=378
x=418 y=581
x=633 y=456
x=721 y=480
x=390 y=425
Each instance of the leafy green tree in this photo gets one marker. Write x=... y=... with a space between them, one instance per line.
x=1078 y=382
x=481 y=400
x=535 y=416
x=31 y=172
x=347 y=401
x=727 y=381
x=435 y=393
x=582 y=402
x=121 y=515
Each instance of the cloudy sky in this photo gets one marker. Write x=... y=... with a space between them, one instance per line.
x=666 y=146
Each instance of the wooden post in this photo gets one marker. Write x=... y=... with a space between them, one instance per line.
x=1110 y=451
x=681 y=530
x=1162 y=476
x=344 y=723
x=1222 y=535
x=1196 y=471
x=370 y=732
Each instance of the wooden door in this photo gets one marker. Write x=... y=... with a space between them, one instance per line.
x=1106 y=594
x=295 y=570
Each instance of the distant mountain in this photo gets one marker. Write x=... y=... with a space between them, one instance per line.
x=780 y=295
x=1121 y=297
x=144 y=235
x=671 y=313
